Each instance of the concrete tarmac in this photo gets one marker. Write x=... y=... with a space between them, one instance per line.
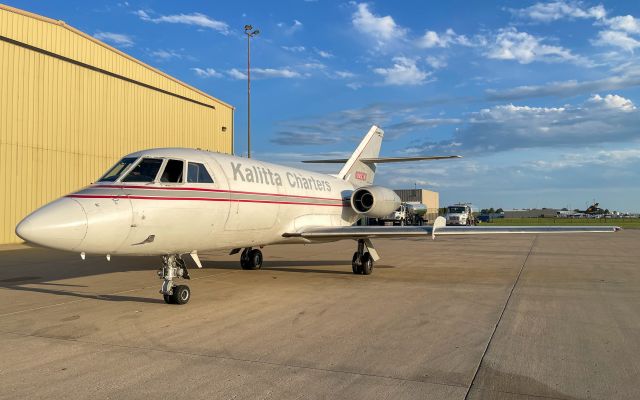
x=489 y=317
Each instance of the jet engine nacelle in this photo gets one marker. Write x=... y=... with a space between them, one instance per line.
x=375 y=201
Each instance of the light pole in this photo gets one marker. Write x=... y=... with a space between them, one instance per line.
x=248 y=30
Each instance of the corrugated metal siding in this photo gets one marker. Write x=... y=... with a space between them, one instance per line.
x=62 y=125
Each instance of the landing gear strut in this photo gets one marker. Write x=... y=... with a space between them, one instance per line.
x=173 y=266
x=251 y=258
x=362 y=262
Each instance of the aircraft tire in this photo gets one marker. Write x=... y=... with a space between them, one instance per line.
x=168 y=298
x=181 y=294
x=366 y=267
x=254 y=259
x=355 y=265
x=244 y=259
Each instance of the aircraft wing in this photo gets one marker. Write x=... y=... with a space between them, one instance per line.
x=369 y=232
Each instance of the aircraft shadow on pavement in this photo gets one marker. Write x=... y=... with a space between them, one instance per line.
x=105 y=297
x=29 y=269
x=337 y=266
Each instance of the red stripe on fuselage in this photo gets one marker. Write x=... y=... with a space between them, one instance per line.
x=93 y=196
x=209 y=190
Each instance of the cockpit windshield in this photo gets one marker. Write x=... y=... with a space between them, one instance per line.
x=145 y=171
x=114 y=173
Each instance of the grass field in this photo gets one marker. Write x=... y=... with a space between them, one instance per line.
x=632 y=223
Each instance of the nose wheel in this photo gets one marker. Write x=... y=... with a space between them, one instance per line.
x=181 y=295
x=362 y=261
x=173 y=267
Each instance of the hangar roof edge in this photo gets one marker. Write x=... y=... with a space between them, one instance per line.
x=123 y=54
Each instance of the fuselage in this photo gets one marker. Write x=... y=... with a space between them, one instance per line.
x=249 y=203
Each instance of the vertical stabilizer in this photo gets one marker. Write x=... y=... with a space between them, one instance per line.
x=360 y=173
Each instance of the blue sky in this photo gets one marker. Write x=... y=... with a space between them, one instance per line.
x=541 y=98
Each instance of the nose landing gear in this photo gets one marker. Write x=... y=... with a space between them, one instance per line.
x=173 y=266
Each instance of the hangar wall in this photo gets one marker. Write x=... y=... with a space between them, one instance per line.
x=71 y=106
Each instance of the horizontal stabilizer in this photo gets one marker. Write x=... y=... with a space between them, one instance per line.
x=379 y=160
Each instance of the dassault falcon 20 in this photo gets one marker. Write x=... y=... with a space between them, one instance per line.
x=172 y=202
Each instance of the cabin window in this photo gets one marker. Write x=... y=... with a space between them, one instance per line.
x=114 y=173
x=172 y=172
x=198 y=174
x=145 y=171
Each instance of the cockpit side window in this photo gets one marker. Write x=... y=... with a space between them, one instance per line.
x=114 y=173
x=197 y=173
x=145 y=171
x=173 y=172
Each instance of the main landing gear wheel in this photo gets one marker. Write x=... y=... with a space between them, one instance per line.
x=251 y=259
x=362 y=262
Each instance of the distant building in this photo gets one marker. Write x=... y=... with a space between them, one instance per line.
x=430 y=199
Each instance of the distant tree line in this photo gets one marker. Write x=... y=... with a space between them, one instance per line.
x=491 y=211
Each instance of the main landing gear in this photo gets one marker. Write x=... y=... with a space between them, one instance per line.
x=173 y=266
x=362 y=262
x=251 y=258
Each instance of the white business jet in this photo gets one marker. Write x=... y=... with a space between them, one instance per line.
x=171 y=202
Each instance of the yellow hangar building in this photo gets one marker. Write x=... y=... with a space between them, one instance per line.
x=71 y=106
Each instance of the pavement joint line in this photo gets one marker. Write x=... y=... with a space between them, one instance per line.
x=495 y=327
x=237 y=359
x=99 y=296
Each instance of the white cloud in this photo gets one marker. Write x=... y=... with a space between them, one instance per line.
x=264 y=73
x=432 y=39
x=556 y=10
x=117 y=39
x=509 y=44
x=345 y=74
x=207 y=72
x=613 y=101
x=165 y=54
x=599 y=120
x=294 y=27
x=196 y=19
x=323 y=54
x=626 y=23
x=314 y=65
x=236 y=74
x=294 y=49
x=584 y=159
x=403 y=72
x=382 y=29
x=629 y=78
x=275 y=73
x=617 y=39
x=436 y=62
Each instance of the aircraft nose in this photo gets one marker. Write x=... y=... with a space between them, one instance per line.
x=61 y=224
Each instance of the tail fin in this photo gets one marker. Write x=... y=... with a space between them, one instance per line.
x=356 y=171
x=360 y=168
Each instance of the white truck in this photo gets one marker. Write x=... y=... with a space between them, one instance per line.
x=409 y=213
x=460 y=214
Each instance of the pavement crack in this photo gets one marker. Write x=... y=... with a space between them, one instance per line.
x=495 y=327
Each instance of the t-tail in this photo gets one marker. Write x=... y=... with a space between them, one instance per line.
x=360 y=168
